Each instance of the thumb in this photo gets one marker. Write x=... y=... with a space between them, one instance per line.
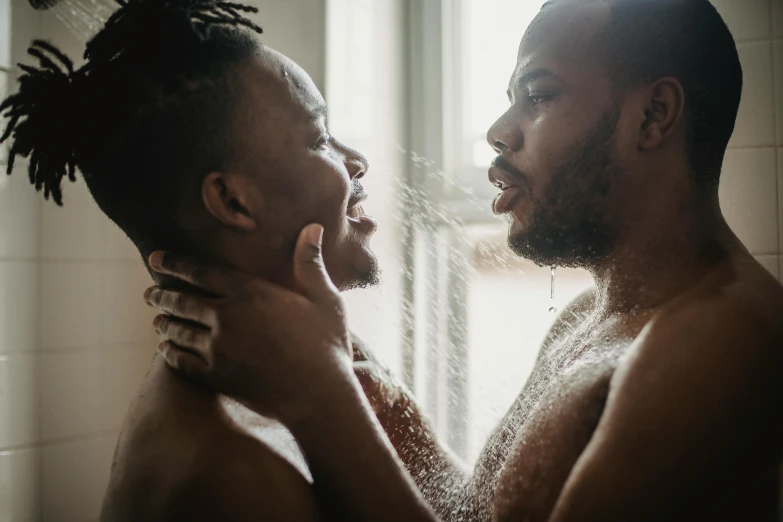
x=310 y=274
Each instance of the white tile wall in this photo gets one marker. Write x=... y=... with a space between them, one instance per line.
x=778 y=67
x=117 y=246
x=756 y=119
x=5 y=32
x=125 y=318
x=748 y=197
x=75 y=475
x=770 y=263
x=20 y=215
x=20 y=485
x=777 y=17
x=747 y=19
x=19 y=399
x=25 y=25
x=5 y=84
x=70 y=391
x=19 y=309
x=780 y=200
x=71 y=304
x=121 y=372
x=75 y=230
x=53 y=29
x=296 y=28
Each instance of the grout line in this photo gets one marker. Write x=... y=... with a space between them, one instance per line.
x=751 y=147
x=777 y=121
x=103 y=348
x=72 y=260
x=90 y=260
x=92 y=436
x=19 y=259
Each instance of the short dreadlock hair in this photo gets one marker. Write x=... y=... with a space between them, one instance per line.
x=150 y=111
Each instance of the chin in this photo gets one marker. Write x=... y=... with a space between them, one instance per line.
x=364 y=273
x=573 y=247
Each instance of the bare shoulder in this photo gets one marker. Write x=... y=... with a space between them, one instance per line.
x=736 y=306
x=694 y=409
x=178 y=458
x=575 y=312
x=238 y=480
x=720 y=344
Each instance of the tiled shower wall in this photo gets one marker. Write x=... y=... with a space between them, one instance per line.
x=752 y=181
x=75 y=338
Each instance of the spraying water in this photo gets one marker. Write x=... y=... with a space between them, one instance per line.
x=552 y=308
x=84 y=18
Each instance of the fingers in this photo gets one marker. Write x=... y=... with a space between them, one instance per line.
x=214 y=278
x=181 y=305
x=309 y=270
x=183 y=334
x=184 y=362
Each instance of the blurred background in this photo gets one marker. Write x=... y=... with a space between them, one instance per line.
x=414 y=85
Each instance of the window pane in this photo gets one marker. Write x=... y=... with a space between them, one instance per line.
x=493 y=30
x=508 y=318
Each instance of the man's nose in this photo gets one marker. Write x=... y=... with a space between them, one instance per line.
x=356 y=163
x=504 y=136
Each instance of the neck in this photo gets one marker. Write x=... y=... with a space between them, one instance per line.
x=661 y=253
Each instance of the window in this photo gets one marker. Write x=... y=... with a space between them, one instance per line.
x=415 y=85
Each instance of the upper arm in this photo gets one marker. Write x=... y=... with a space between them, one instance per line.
x=249 y=489
x=698 y=396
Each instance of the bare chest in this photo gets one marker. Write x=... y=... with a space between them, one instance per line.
x=553 y=418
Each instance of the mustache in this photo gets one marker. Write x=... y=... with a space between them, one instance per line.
x=357 y=192
x=503 y=164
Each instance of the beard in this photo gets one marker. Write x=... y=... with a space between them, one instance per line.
x=569 y=228
x=370 y=277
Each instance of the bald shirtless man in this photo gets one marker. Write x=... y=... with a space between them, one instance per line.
x=664 y=401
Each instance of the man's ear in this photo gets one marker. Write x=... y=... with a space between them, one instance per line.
x=226 y=197
x=664 y=109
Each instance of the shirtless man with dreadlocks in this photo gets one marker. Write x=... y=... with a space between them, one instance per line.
x=192 y=136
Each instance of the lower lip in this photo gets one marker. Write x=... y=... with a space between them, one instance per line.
x=505 y=201
x=365 y=222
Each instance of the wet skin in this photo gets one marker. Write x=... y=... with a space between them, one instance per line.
x=656 y=396
x=184 y=452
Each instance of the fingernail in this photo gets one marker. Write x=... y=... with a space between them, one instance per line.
x=156 y=259
x=148 y=293
x=315 y=234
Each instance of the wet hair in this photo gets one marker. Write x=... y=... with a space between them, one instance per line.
x=149 y=114
x=645 y=40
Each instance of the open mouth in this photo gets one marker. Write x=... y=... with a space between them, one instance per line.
x=355 y=212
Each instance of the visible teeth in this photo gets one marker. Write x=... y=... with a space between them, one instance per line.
x=355 y=212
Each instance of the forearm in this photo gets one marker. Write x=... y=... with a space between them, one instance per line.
x=438 y=473
x=352 y=460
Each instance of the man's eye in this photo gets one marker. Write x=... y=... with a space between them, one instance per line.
x=535 y=100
